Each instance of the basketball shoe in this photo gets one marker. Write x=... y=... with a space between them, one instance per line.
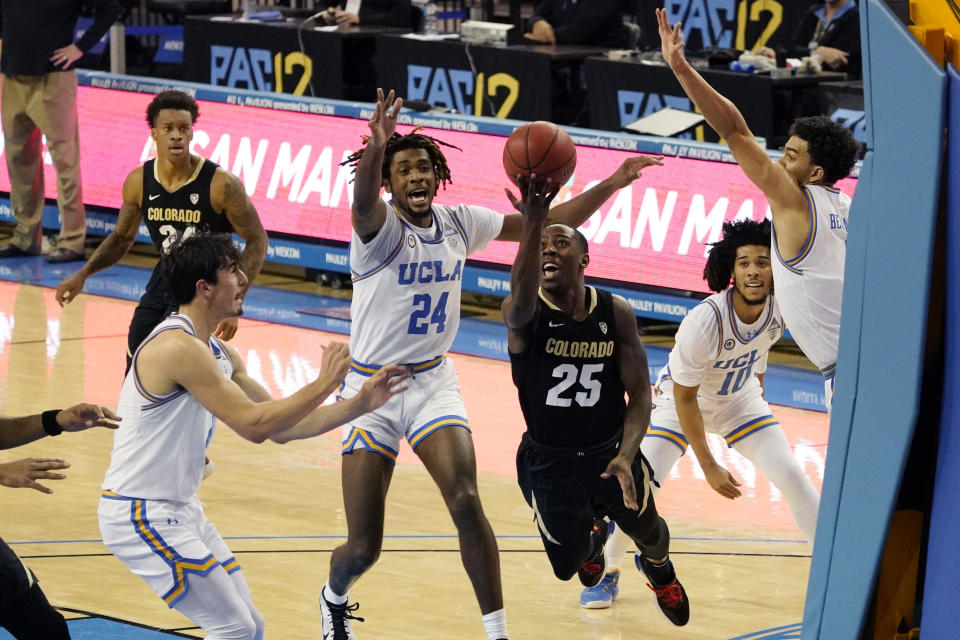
x=335 y=619
x=602 y=595
x=671 y=595
x=591 y=571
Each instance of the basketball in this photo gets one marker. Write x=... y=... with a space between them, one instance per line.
x=542 y=148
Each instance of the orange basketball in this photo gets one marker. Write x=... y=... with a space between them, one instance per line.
x=542 y=148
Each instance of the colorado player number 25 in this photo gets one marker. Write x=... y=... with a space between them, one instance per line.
x=569 y=374
x=425 y=313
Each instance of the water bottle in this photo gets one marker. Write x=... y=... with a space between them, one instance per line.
x=430 y=26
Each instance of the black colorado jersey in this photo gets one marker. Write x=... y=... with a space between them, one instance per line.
x=570 y=389
x=170 y=216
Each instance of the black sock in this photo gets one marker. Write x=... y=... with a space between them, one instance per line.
x=659 y=574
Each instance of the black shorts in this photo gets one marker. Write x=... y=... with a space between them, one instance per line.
x=15 y=578
x=567 y=494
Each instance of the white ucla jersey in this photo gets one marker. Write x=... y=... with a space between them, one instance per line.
x=160 y=446
x=406 y=284
x=717 y=352
x=810 y=284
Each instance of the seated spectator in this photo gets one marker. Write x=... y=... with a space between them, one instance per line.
x=591 y=22
x=384 y=13
x=832 y=31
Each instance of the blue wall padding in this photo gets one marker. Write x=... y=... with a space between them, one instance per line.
x=943 y=557
x=886 y=290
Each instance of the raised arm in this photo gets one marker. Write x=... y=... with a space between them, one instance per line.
x=116 y=245
x=635 y=374
x=576 y=211
x=369 y=211
x=782 y=189
x=520 y=306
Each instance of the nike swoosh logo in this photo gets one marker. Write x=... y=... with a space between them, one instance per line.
x=154 y=196
x=555 y=324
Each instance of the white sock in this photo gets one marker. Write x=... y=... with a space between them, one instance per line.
x=616 y=546
x=332 y=596
x=495 y=624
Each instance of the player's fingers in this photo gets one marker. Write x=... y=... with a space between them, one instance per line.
x=39 y=487
x=40 y=465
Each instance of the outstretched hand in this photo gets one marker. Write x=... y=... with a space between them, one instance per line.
x=623 y=470
x=25 y=473
x=383 y=385
x=69 y=288
x=86 y=416
x=383 y=122
x=671 y=40
x=632 y=168
x=536 y=197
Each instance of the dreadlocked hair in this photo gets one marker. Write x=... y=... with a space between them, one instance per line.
x=719 y=268
x=412 y=140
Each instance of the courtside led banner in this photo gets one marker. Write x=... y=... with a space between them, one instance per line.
x=653 y=233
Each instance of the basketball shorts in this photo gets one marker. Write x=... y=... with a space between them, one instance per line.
x=734 y=419
x=432 y=401
x=163 y=542
x=15 y=578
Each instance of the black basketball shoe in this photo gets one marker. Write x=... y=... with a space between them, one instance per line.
x=591 y=571
x=671 y=595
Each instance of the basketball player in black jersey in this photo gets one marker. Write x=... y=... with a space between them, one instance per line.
x=574 y=351
x=176 y=195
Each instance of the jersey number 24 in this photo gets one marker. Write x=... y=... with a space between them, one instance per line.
x=425 y=313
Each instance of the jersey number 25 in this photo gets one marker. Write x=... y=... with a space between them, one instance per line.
x=569 y=374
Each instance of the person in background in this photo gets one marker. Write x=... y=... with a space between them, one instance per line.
x=38 y=98
x=830 y=30
x=591 y=22
x=384 y=13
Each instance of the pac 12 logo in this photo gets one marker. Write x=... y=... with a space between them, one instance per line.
x=260 y=69
x=725 y=23
x=457 y=89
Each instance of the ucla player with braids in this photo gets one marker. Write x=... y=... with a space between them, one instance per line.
x=713 y=381
x=407 y=258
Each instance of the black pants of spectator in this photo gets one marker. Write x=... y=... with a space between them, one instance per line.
x=24 y=610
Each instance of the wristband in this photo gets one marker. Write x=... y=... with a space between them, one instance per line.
x=50 y=424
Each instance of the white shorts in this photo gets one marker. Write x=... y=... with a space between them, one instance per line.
x=829 y=384
x=734 y=419
x=163 y=542
x=432 y=401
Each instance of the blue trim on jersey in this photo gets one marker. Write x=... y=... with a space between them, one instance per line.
x=362 y=439
x=792 y=263
x=179 y=565
x=415 y=367
x=463 y=231
x=744 y=430
x=664 y=377
x=390 y=258
x=437 y=222
x=154 y=400
x=418 y=436
x=716 y=313
x=669 y=435
x=733 y=318
x=230 y=565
